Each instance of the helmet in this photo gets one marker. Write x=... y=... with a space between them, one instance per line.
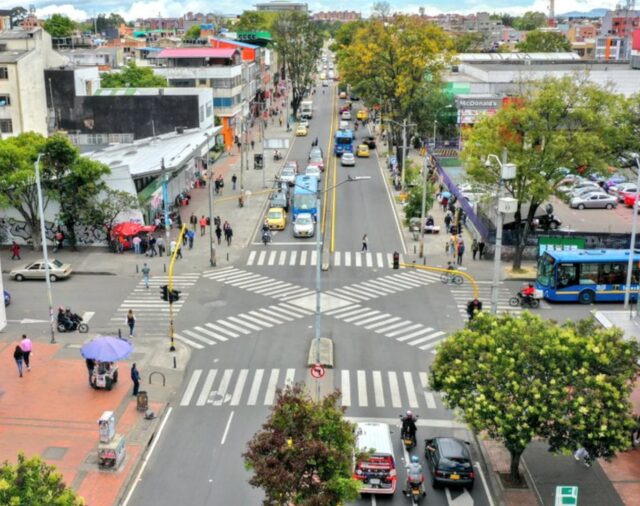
x=409 y=413
x=530 y=285
x=61 y=308
x=415 y=459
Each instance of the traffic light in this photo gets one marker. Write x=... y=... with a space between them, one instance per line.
x=174 y=295
x=165 y=292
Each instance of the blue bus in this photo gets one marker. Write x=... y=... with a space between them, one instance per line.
x=305 y=195
x=343 y=142
x=586 y=276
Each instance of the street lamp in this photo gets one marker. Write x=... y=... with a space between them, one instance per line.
x=505 y=205
x=435 y=122
x=404 y=126
x=632 y=246
x=45 y=252
x=212 y=249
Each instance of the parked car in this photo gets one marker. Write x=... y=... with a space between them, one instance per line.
x=303 y=225
x=595 y=200
x=449 y=462
x=347 y=159
x=630 y=199
x=279 y=199
x=7 y=298
x=628 y=159
x=36 y=270
x=318 y=162
x=346 y=115
x=586 y=185
x=619 y=189
x=315 y=151
x=614 y=180
x=344 y=125
x=343 y=94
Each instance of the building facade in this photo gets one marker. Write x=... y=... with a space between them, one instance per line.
x=282 y=6
x=341 y=16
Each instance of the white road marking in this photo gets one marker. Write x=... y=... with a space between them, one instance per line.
x=292 y=257
x=379 y=324
x=347 y=259
x=188 y=341
x=242 y=322
x=208 y=383
x=424 y=330
x=223 y=386
x=191 y=387
x=226 y=429
x=199 y=337
x=272 y=257
x=261 y=257
x=396 y=400
x=237 y=392
x=358 y=259
x=314 y=257
x=255 y=387
x=411 y=392
x=289 y=377
x=336 y=259
x=406 y=329
x=303 y=257
x=345 y=387
x=271 y=387
x=421 y=422
x=87 y=315
x=371 y=319
x=429 y=398
x=377 y=389
x=379 y=260
x=430 y=337
x=212 y=334
x=362 y=389
x=369 y=258
x=283 y=257
x=252 y=257
x=220 y=329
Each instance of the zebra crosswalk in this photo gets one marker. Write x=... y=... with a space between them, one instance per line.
x=462 y=294
x=231 y=327
x=361 y=388
x=257 y=283
x=292 y=257
x=151 y=312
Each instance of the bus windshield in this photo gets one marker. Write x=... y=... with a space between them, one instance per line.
x=546 y=266
x=304 y=202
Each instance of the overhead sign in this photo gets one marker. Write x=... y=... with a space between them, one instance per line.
x=317 y=371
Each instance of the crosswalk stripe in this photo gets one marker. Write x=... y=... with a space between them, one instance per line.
x=273 y=314
x=429 y=346
x=372 y=319
x=390 y=259
x=396 y=401
x=350 y=293
x=239 y=321
x=411 y=392
x=379 y=324
x=382 y=284
x=254 y=282
x=358 y=259
x=271 y=387
x=237 y=391
x=406 y=329
x=191 y=387
x=362 y=389
x=265 y=317
x=272 y=257
x=212 y=334
x=221 y=329
x=384 y=330
x=289 y=377
x=369 y=259
x=255 y=320
x=255 y=387
x=288 y=290
x=217 y=273
x=188 y=341
x=361 y=316
x=379 y=260
x=430 y=337
x=222 y=387
x=342 y=296
x=377 y=389
x=303 y=257
x=314 y=257
x=336 y=259
x=429 y=398
x=261 y=257
x=283 y=258
x=208 y=383
x=292 y=258
x=252 y=257
x=423 y=330
x=365 y=291
x=199 y=337
x=295 y=293
x=407 y=281
x=296 y=309
x=354 y=311
x=379 y=287
x=272 y=287
x=336 y=312
x=241 y=276
x=347 y=259
x=234 y=327
x=345 y=388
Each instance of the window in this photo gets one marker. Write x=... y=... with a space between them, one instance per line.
x=222 y=102
x=589 y=274
x=4 y=73
x=6 y=126
x=612 y=274
x=567 y=275
x=4 y=100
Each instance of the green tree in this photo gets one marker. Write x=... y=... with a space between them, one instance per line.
x=251 y=21
x=18 y=15
x=530 y=21
x=102 y=22
x=470 y=42
x=132 y=76
x=558 y=123
x=413 y=207
x=519 y=378
x=59 y=25
x=345 y=35
x=34 y=482
x=507 y=19
x=304 y=453
x=538 y=41
x=298 y=43
x=193 y=33
x=106 y=210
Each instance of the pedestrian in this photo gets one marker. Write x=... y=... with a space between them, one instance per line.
x=15 y=251
x=161 y=246
x=203 y=225
x=228 y=233
x=91 y=365
x=173 y=245
x=220 y=181
x=234 y=179
x=218 y=233
x=447 y=221
x=18 y=356
x=131 y=322
x=145 y=274
x=253 y=144
x=216 y=185
x=280 y=120
x=27 y=347
x=185 y=238
x=157 y=222
x=481 y=249
x=582 y=453
x=453 y=246
x=447 y=245
x=193 y=219
x=59 y=239
x=152 y=246
x=474 y=247
x=445 y=203
x=136 y=244
x=460 y=251
x=135 y=377
x=190 y=235
x=365 y=243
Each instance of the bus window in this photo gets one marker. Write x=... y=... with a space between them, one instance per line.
x=589 y=274
x=612 y=274
x=567 y=275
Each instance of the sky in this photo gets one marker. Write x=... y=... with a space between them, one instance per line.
x=131 y=10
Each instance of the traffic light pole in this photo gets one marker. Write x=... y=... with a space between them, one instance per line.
x=174 y=255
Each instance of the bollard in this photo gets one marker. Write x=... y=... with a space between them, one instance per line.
x=119 y=334
x=137 y=269
x=175 y=363
x=164 y=267
x=414 y=249
x=424 y=260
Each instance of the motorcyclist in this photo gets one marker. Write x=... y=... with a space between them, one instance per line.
x=62 y=318
x=528 y=293
x=265 y=227
x=414 y=474
x=409 y=425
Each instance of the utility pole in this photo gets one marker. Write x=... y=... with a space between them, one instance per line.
x=212 y=249
x=242 y=143
x=632 y=247
x=404 y=149
x=264 y=163
x=424 y=204
x=165 y=199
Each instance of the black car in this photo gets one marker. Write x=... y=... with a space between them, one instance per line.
x=449 y=462
x=370 y=141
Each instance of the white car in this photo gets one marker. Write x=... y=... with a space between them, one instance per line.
x=344 y=125
x=325 y=83
x=348 y=159
x=303 y=225
x=346 y=115
x=304 y=123
x=313 y=170
x=288 y=175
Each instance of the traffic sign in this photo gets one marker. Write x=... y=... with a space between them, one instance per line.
x=317 y=371
x=566 y=496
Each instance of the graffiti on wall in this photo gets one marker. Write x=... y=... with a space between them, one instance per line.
x=12 y=229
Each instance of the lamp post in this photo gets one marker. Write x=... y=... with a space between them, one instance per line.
x=45 y=252
x=404 y=126
x=435 y=122
x=212 y=249
x=505 y=205
x=424 y=204
x=632 y=246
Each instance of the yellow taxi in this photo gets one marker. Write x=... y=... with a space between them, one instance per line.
x=276 y=218
x=362 y=151
x=302 y=130
x=362 y=114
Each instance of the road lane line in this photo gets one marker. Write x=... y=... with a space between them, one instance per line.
x=223 y=386
x=411 y=391
x=362 y=389
x=292 y=257
x=369 y=258
x=226 y=429
x=303 y=257
x=377 y=389
x=487 y=492
x=252 y=257
x=208 y=383
x=429 y=398
x=191 y=387
x=283 y=257
x=271 y=387
x=396 y=400
x=255 y=387
x=347 y=258
x=237 y=391
x=289 y=377
x=345 y=387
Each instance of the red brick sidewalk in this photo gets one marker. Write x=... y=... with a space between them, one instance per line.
x=52 y=412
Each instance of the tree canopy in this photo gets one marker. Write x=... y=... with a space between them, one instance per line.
x=250 y=21
x=304 y=453
x=558 y=123
x=34 y=482
x=132 y=76
x=538 y=41
x=193 y=33
x=530 y=20
x=519 y=378
x=59 y=25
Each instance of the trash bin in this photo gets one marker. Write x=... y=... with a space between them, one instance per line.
x=258 y=161
x=142 y=400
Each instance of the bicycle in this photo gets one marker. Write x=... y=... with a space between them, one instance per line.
x=450 y=277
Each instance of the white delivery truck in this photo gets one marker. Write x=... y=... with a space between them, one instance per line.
x=306 y=109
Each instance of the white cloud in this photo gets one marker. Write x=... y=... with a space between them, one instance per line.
x=67 y=9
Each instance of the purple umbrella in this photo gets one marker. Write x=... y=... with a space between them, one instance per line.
x=106 y=349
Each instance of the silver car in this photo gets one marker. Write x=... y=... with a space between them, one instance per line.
x=595 y=200
x=313 y=170
x=288 y=175
x=303 y=225
x=36 y=270
x=348 y=159
x=585 y=185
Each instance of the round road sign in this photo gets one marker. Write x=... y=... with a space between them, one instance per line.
x=317 y=371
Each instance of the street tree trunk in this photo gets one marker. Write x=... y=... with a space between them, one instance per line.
x=521 y=234
x=514 y=468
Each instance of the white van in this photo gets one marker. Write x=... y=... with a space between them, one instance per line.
x=377 y=473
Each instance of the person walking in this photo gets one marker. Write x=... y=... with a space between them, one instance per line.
x=365 y=243
x=228 y=233
x=193 y=219
x=253 y=144
x=220 y=182
x=453 y=246
x=203 y=225
x=582 y=453
x=135 y=377
x=27 y=347
x=474 y=248
x=59 y=239
x=218 y=233
x=447 y=221
x=145 y=274
x=216 y=186
x=136 y=244
x=481 y=249
x=15 y=251
x=460 y=251
x=172 y=248
x=91 y=365
x=18 y=356
x=234 y=180
x=161 y=246
x=131 y=322
x=190 y=237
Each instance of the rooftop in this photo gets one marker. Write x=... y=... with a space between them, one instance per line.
x=12 y=56
x=579 y=66
x=197 y=52
x=233 y=41
x=17 y=34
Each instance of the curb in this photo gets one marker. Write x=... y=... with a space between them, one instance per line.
x=495 y=488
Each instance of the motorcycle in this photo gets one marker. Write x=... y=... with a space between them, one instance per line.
x=409 y=440
x=414 y=489
x=522 y=301
x=266 y=237
x=72 y=324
